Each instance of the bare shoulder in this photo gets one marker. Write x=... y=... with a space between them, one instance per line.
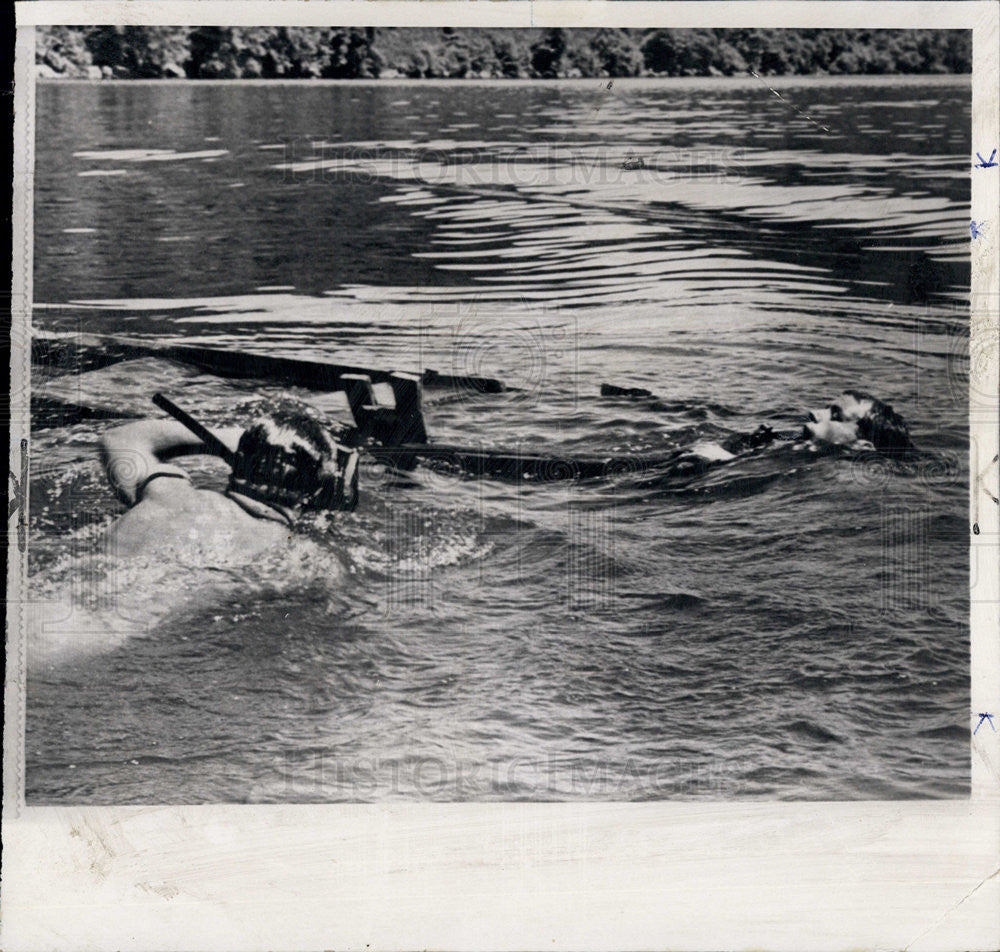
x=181 y=496
x=176 y=519
x=168 y=489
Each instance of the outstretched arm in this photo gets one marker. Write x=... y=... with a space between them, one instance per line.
x=136 y=451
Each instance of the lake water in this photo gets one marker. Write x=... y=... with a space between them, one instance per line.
x=790 y=625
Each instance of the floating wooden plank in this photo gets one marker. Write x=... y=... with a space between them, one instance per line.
x=431 y=378
x=516 y=466
x=83 y=352
x=634 y=393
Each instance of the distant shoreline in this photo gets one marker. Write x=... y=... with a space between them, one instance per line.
x=825 y=79
x=420 y=53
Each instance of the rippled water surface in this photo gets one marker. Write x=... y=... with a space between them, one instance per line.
x=788 y=625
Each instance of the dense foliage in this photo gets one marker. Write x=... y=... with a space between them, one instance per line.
x=334 y=52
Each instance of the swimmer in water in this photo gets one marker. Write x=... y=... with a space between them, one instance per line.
x=176 y=543
x=859 y=421
x=855 y=421
x=288 y=461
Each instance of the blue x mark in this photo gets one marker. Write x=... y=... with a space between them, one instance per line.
x=984 y=717
x=976 y=227
x=986 y=163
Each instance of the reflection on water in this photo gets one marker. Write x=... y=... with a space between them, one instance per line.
x=792 y=625
x=339 y=189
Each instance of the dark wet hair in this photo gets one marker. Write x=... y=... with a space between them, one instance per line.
x=292 y=456
x=882 y=426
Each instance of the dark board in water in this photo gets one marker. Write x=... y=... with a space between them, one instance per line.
x=791 y=625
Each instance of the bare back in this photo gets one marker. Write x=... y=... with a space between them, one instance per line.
x=168 y=517
x=176 y=520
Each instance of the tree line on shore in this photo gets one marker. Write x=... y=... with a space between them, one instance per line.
x=456 y=53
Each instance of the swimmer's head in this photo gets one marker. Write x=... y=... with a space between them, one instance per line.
x=858 y=418
x=290 y=457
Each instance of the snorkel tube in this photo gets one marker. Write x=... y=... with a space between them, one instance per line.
x=217 y=447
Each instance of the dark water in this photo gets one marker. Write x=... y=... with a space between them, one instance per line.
x=790 y=625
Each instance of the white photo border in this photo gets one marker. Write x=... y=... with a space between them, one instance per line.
x=919 y=875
